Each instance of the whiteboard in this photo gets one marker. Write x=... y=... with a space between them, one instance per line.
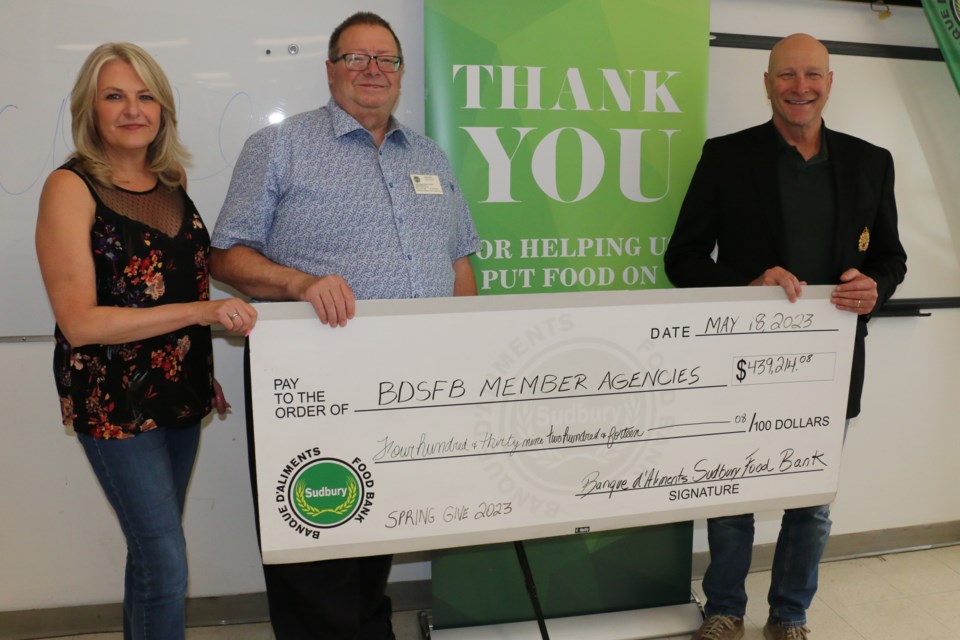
x=227 y=86
x=910 y=107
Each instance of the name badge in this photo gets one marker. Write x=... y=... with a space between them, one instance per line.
x=424 y=184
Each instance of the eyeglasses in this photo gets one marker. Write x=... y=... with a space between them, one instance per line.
x=360 y=62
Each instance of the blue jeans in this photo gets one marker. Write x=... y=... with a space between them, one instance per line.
x=796 y=562
x=793 y=583
x=145 y=480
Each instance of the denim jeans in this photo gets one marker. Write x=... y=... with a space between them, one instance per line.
x=793 y=583
x=796 y=562
x=145 y=480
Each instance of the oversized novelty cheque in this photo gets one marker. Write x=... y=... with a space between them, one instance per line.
x=458 y=421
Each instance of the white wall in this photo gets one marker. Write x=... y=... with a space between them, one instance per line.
x=59 y=540
x=60 y=544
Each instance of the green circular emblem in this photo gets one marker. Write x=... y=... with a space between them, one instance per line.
x=326 y=493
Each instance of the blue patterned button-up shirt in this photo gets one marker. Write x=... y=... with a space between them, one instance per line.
x=315 y=193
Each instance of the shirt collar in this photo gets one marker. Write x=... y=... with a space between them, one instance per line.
x=344 y=124
x=785 y=147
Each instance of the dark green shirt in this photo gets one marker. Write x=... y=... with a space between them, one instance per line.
x=809 y=212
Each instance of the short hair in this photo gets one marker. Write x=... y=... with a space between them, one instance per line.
x=360 y=17
x=166 y=156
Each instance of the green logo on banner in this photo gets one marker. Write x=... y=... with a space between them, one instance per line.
x=944 y=18
x=326 y=493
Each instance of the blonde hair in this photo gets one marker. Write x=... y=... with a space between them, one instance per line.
x=166 y=156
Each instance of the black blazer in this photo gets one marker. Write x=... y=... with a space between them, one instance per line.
x=733 y=203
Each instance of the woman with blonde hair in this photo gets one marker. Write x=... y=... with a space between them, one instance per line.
x=123 y=254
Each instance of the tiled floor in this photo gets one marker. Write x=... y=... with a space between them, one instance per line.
x=906 y=596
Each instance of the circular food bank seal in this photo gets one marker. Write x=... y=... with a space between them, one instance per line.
x=326 y=493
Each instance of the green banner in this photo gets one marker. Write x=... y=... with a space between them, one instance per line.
x=944 y=17
x=574 y=127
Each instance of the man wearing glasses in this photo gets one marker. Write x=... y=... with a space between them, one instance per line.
x=330 y=206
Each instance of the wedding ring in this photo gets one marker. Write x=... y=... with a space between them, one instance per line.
x=236 y=314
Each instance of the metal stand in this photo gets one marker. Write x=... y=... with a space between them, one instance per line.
x=639 y=624
x=531 y=588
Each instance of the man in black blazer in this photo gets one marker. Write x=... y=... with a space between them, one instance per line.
x=787 y=203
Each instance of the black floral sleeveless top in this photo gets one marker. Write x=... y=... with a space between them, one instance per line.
x=149 y=248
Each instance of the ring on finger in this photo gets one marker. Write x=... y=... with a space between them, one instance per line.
x=236 y=314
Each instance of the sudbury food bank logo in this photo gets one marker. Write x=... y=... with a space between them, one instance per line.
x=321 y=493
x=951 y=19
